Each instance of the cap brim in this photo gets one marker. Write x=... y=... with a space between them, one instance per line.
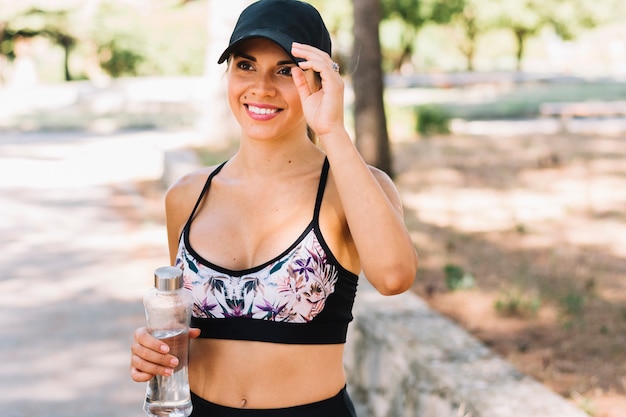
x=281 y=39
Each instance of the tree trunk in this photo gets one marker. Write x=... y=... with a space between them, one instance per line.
x=520 y=36
x=372 y=138
x=66 y=63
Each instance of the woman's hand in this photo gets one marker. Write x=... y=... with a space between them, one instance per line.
x=322 y=105
x=150 y=356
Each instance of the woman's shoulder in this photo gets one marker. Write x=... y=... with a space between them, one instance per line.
x=192 y=180
x=187 y=189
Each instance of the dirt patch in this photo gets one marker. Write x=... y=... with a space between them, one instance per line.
x=534 y=228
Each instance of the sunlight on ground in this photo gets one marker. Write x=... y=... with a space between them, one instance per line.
x=581 y=204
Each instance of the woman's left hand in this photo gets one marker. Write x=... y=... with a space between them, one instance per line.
x=322 y=105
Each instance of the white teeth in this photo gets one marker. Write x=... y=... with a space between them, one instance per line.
x=259 y=110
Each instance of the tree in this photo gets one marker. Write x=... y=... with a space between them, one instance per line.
x=527 y=18
x=372 y=138
x=35 y=22
x=469 y=28
x=413 y=15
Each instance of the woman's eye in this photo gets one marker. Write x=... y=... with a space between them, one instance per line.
x=285 y=71
x=244 y=65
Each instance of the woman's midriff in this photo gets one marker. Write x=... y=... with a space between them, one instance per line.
x=247 y=374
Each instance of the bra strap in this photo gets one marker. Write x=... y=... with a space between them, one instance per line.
x=320 y=189
x=204 y=191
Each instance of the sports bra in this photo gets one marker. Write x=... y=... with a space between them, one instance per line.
x=302 y=296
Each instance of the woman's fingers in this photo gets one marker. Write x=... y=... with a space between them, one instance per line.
x=150 y=357
x=139 y=376
x=144 y=338
x=316 y=60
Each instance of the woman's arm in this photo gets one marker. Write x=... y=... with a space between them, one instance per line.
x=369 y=198
x=149 y=355
x=374 y=215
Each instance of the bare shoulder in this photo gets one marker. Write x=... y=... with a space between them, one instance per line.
x=182 y=195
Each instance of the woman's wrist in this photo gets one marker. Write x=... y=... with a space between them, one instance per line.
x=333 y=137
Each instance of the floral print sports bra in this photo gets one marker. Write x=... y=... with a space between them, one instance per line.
x=303 y=296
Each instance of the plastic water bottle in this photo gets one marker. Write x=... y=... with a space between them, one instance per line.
x=168 y=314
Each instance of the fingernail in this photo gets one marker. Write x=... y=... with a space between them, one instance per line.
x=165 y=348
x=174 y=362
x=169 y=371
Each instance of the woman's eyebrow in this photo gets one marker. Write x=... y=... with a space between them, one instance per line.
x=245 y=56
x=253 y=59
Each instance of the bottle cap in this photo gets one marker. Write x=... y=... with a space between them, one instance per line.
x=168 y=278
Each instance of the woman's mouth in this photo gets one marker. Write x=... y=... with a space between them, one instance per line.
x=262 y=113
x=262 y=110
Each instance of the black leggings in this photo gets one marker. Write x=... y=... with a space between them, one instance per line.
x=338 y=406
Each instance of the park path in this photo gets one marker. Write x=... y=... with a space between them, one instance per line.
x=73 y=269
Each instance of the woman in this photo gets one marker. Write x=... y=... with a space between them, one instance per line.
x=271 y=242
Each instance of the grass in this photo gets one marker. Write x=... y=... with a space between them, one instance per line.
x=431 y=110
x=524 y=101
x=517 y=303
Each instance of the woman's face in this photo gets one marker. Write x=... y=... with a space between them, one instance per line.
x=262 y=94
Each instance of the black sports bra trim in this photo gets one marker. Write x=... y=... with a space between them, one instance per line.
x=313 y=332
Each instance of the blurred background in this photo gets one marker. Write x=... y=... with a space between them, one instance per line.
x=505 y=122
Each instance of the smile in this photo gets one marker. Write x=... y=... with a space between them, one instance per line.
x=262 y=110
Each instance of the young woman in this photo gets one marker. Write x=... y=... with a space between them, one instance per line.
x=271 y=243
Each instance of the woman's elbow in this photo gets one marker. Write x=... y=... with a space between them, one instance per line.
x=397 y=279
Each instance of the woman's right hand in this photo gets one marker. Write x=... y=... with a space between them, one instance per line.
x=150 y=356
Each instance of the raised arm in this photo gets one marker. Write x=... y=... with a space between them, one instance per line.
x=369 y=198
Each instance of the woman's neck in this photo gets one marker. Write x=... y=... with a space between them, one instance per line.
x=267 y=159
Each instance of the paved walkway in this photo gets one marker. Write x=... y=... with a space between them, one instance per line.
x=73 y=271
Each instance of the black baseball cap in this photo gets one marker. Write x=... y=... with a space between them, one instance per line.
x=281 y=21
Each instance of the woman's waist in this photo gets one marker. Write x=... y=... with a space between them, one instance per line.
x=264 y=375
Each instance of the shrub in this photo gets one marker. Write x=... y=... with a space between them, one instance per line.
x=517 y=303
x=432 y=119
x=457 y=278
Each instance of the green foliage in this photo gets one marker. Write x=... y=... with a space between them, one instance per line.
x=169 y=40
x=516 y=303
x=457 y=278
x=118 y=58
x=432 y=119
x=525 y=101
x=416 y=13
x=573 y=304
x=117 y=34
x=412 y=15
x=55 y=25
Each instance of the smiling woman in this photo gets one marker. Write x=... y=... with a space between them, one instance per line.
x=272 y=241
x=261 y=88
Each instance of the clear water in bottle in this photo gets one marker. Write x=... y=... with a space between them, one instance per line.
x=168 y=396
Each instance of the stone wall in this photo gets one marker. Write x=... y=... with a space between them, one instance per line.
x=405 y=360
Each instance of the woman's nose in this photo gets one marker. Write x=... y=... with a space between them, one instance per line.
x=263 y=84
